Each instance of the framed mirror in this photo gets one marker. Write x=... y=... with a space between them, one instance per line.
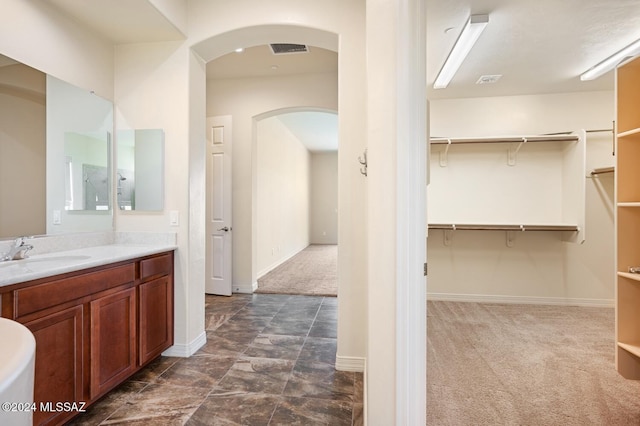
x=139 y=177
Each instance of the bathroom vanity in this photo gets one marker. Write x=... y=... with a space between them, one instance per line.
x=98 y=316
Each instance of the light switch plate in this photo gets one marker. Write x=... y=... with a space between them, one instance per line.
x=174 y=218
x=57 y=219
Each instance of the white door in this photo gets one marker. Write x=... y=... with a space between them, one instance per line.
x=218 y=211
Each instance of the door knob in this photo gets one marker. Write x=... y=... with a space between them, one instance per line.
x=225 y=229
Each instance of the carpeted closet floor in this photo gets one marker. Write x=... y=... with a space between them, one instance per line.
x=491 y=364
x=312 y=272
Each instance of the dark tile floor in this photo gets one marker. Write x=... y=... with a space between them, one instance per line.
x=269 y=360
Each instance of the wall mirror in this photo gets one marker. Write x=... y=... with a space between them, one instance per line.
x=79 y=125
x=86 y=174
x=38 y=113
x=140 y=169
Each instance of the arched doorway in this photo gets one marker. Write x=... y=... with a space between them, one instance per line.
x=297 y=201
x=245 y=267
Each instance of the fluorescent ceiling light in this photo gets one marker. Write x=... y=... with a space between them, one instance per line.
x=470 y=34
x=611 y=62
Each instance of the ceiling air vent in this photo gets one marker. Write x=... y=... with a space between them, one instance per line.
x=284 y=48
x=489 y=79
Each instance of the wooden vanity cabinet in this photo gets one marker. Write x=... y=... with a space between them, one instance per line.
x=113 y=340
x=155 y=307
x=93 y=328
x=59 y=361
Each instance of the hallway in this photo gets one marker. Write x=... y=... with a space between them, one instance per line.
x=269 y=360
x=311 y=272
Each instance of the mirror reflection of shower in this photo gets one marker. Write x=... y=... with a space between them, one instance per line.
x=125 y=189
x=140 y=169
x=96 y=187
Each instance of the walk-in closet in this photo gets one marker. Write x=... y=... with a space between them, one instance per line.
x=520 y=199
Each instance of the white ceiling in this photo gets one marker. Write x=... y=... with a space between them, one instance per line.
x=318 y=131
x=120 y=21
x=259 y=61
x=539 y=46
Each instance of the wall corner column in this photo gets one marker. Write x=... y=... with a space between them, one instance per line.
x=396 y=347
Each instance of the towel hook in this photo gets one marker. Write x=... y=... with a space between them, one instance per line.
x=363 y=170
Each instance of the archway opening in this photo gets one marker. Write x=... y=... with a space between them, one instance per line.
x=297 y=201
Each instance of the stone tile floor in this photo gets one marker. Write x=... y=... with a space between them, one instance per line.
x=269 y=360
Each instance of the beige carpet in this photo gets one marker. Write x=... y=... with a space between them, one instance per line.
x=490 y=364
x=313 y=271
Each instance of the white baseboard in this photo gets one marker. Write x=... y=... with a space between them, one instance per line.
x=245 y=288
x=278 y=263
x=186 y=350
x=525 y=300
x=350 y=363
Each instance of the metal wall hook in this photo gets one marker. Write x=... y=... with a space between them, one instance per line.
x=363 y=170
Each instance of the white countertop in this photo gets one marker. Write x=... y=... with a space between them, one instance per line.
x=46 y=265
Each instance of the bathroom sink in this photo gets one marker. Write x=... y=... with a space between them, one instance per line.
x=17 y=357
x=42 y=263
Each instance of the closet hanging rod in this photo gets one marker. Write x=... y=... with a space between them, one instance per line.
x=603 y=170
x=504 y=139
x=486 y=227
x=586 y=131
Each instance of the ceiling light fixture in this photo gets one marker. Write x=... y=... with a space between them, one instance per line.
x=611 y=62
x=239 y=50
x=468 y=37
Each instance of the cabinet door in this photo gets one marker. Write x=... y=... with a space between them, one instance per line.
x=58 y=367
x=156 y=317
x=113 y=340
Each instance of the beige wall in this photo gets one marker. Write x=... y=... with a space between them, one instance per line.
x=283 y=174
x=35 y=34
x=539 y=267
x=324 y=198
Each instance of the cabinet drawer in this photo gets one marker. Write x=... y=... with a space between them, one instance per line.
x=160 y=265
x=33 y=299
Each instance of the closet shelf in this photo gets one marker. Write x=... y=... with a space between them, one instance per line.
x=629 y=275
x=500 y=227
x=632 y=348
x=629 y=133
x=603 y=170
x=505 y=139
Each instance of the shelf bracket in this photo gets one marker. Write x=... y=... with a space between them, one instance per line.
x=511 y=236
x=512 y=155
x=448 y=236
x=444 y=155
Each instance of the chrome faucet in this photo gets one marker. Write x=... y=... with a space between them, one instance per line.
x=18 y=250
